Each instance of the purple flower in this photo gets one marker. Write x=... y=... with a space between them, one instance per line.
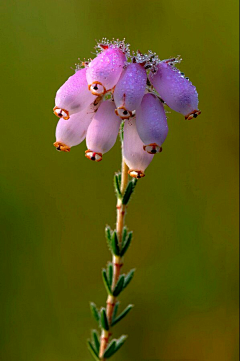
x=102 y=132
x=73 y=96
x=104 y=71
x=134 y=155
x=115 y=94
x=151 y=122
x=72 y=132
x=130 y=89
x=176 y=90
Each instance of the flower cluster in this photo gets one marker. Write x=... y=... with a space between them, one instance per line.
x=117 y=90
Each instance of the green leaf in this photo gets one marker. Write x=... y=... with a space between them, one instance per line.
x=115 y=311
x=110 y=350
x=92 y=350
x=117 y=185
x=129 y=190
x=115 y=246
x=96 y=340
x=126 y=244
x=119 y=177
x=124 y=235
x=95 y=311
x=122 y=315
x=120 y=342
x=104 y=320
x=114 y=346
x=106 y=283
x=128 y=193
x=108 y=235
x=128 y=278
x=119 y=286
x=110 y=273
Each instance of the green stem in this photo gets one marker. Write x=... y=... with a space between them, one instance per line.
x=116 y=261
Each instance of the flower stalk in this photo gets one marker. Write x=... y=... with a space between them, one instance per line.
x=117 y=261
x=115 y=282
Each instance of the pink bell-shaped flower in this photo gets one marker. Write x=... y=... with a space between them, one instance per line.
x=73 y=96
x=151 y=123
x=104 y=71
x=103 y=131
x=135 y=157
x=73 y=131
x=130 y=89
x=176 y=90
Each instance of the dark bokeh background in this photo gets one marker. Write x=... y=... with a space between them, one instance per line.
x=54 y=206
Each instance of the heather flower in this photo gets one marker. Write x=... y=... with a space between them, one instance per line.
x=130 y=89
x=176 y=90
x=103 y=131
x=71 y=132
x=151 y=122
x=116 y=87
x=73 y=96
x=119 y=93
x=133 y=150
x=104 y=71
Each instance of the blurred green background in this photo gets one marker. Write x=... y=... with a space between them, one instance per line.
x=54 y=206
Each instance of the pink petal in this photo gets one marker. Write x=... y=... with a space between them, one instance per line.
x=176 y=90
x=135 y=157
x=73 y=131
x=130 y=88
x=151 y=123
x=104 y=71
x=73 y=96
x=103 y=131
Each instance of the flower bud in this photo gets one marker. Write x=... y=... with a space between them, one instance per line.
x=103 y=131
x=176 y=90
x=104 y=71
x=130 y=89
x=73 y=96
x=73 y=131
x=151 y=123
x=135 y=157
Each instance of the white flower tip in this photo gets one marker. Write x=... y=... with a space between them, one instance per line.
x=61 y=147
x=96 y=88
x=152 y=148
x=61 y=113
x=96 y=157
x=123 y=113
x=193 y=114
x=136 y=173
